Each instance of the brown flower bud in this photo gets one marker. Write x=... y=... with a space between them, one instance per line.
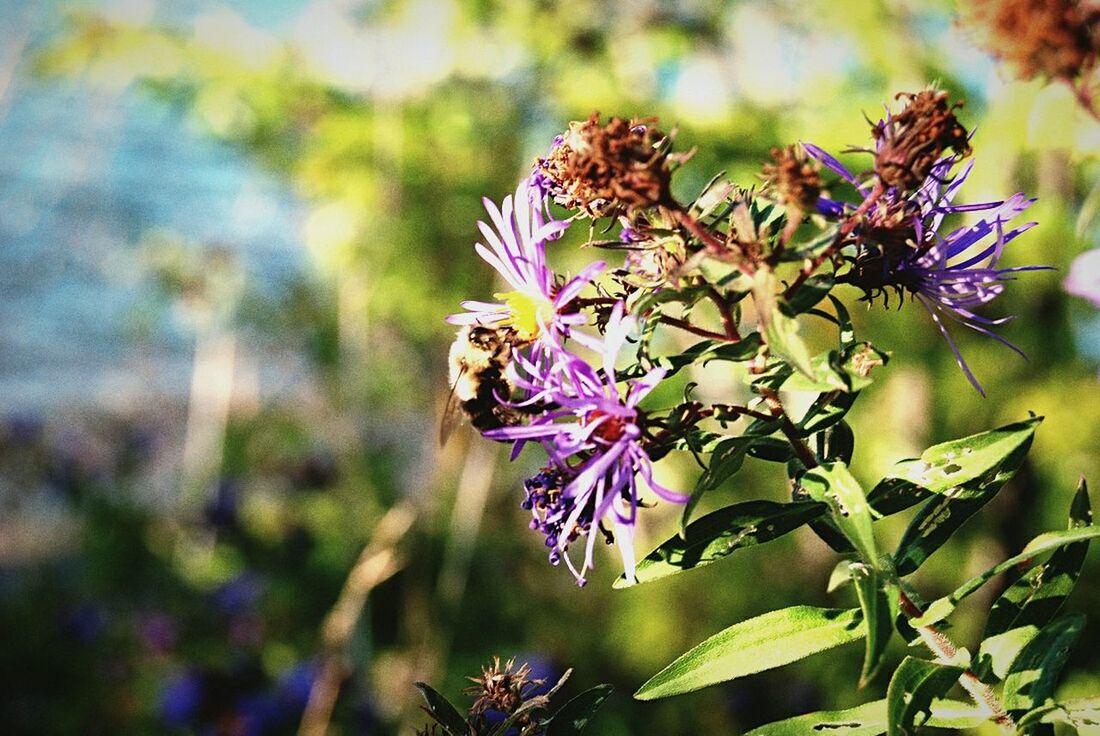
x=1056 y=39
x=602 y=169
x=911 y=142
x=794 y=178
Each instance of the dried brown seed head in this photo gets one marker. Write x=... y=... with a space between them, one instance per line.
x=911 y=142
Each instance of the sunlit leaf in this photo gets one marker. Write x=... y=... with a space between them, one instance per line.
x=942 y=608
x=915 y=684
x=835 y=485
x=1035 y=599
x=878 y=599
x=1083 y=715
x=869 y=719
x=762 y=643
x=1030 y=681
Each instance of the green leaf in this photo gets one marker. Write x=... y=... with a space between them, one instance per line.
x=942 y=608
x=1030 y=681
x=1083 y=715
x=878 y=599
x=952 y=506
x=701 y=352
x=572 y=718
x=762 y=643
x=951 y=467
x=445 y=714
x=810 y=294
x=835 y=485
x=915 y=684
x=1035 y=599
x=827 y=410
x=721 y=533
x=779 y=329
x=847 y=371
x=869 y=719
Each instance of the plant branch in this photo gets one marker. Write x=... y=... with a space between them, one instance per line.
x=842 y=232
x=945 y=650
x=728 y=322
x=786 y=426
x=683 y=324
x=712 y=243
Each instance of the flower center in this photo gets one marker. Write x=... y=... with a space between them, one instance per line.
x=610 y=429
x=525 y=311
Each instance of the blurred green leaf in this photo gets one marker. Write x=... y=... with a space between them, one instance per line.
x=721 y=533
x=573 y=717
x=762 y=643
x=1082 y=714
x=914 y=686
x=1030 y=681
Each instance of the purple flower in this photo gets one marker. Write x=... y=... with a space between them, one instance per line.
x=900 y=247
x=595 y=438
x=515 y=245
x=1084 y=277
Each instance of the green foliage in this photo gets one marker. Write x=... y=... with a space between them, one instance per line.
x=913 y=688
x=758 y=644
x=572 y=718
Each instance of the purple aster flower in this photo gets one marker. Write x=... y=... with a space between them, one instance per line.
x=899 y=246
x=1084 y=277
x=594 y=437
x=515 y=245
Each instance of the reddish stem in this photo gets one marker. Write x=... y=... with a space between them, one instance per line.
x=712 y=243
x=728 y=322
x=683 y=324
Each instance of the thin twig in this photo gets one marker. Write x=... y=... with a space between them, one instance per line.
x=786 y=426
x=712 y=243
x=724 y=310
x=946 y=651
x=378 y=561
x=683 y=324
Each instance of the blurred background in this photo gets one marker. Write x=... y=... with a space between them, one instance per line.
x=229 y=234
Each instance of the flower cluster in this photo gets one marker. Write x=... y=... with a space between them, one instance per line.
x=541 y=365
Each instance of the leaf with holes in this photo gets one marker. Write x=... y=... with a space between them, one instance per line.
x=762 y=643
x=869 y=719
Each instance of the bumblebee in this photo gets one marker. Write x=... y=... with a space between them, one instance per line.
x=479 y=360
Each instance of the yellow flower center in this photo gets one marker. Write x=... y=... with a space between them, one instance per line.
x=525 y=312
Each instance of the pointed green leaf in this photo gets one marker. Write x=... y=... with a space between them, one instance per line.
x=572 y=718
x=1030 y=681
x=762 y=643
x=1035 y=599
x=944 y=513
x=779 y=330
x=869 y=719
x=1083 y=715
x=701 y=352
x=1043 y=543
x=878 y=599
x=445 y=714
x=915 y=684
x=721 y=533
x=835 y=485
x=950 y=468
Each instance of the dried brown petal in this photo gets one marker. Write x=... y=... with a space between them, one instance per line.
x=794 y=178
x=1051 y=38
x=912 y=141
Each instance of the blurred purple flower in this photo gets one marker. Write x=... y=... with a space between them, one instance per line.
x=538 y=304
x=1084 y=277
x=596 y=446
x=900 y=247
x=240 y=594
x=181 y=698
x=159 y=631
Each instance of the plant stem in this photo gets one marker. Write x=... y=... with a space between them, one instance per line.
x=712 y=243
x=946 y=651
x=786 y=426
x=683 y=324
x=843 y=232
x=728 y=322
